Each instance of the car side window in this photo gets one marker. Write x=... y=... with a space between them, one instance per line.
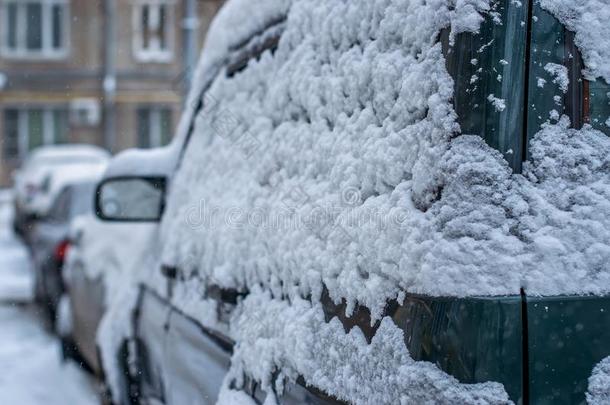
x=60 y=209
x=597 y=98
x=557 y=85
x=489 y=78
x=237 y=61
x=253 y=48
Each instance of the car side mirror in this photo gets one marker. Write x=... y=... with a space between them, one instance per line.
x=131 y=199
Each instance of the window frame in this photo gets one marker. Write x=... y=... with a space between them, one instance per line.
x=507 y=78
x=229 y=68
x=47 y=51
x=552 y=42
x=154 y=114
x=148 y=55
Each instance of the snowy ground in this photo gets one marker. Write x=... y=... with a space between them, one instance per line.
x=30 y=357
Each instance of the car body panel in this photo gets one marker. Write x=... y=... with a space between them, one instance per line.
x=474 y=339
x=53 y=231
x=151 y=337
x=192 y=353
x=45 y=238
x=540 y=356
x=567 y=337
x=94 y=262
x=87 y=307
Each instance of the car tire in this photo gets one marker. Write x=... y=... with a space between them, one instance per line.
x=127 y=395
x=70 y=352
x=68 y=349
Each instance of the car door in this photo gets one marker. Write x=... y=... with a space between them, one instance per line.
x=47 y=236
x=196 y=362
x=87 y=299
x=151 y=326
x=87 y=293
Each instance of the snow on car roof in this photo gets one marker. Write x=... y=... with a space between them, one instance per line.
x=145 y=162
x=57 y=153
x=65 y=175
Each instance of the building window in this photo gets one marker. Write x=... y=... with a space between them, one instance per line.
x=36 y=29
x=153 y=31
x=29 y=128
x=154 y=127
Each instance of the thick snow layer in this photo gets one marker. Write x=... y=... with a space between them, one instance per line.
x=349 y=144
x=145 y=162
x=335 y=162
x=589 y=20
x=68 y=153
x=599 y=384
x=274 y=334
x=566 y=226
x=336 y=137
x=546 y=232
x=235 y=22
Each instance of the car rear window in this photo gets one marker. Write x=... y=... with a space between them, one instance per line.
x=598 y=93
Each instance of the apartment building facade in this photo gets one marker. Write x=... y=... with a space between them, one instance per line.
x=106 y=72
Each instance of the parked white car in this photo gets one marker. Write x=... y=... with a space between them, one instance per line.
x=46 y=171
x=102 y=253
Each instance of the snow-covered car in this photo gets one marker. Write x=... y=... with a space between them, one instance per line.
x=38 y=181
x=100 y=254
x=377 y=202
x=49 y=240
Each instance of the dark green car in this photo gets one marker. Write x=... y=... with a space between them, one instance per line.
x=543 y=349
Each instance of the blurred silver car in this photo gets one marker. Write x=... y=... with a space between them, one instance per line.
x=50 y=242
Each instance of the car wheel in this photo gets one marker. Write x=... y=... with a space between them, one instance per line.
x=129 y=393
x=68 y=349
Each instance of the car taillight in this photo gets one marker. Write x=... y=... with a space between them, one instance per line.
x=62 y=250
